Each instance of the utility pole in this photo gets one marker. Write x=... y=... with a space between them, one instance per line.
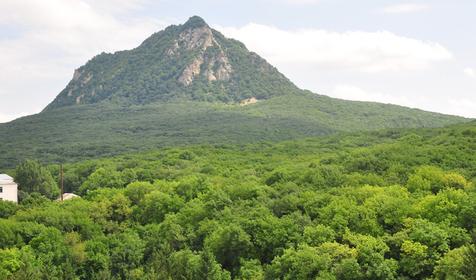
x=62 y=182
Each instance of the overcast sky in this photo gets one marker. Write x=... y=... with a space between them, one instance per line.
x=415 y=53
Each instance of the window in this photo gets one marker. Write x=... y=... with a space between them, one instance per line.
x=1 y=189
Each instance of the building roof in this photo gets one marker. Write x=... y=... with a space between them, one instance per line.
x=67 y=196
x=4 y=178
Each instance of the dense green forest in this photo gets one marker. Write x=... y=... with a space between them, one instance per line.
x=100 y=130
x=381 y=205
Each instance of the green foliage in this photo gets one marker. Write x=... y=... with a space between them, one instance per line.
x=251 y=269
x=100 y=178
x=32 y=177
x=469 y=263
x=316 y=235
x=229 y=244
x=126 y=255
x=430 y=178
x=97 y=262
x=414 y=258
x=137 y=191
x=327 y=261
x=451 y=265
x=9 y=263
x=156 y=205
x=101 y=130
x=187 y=265
x=7 y=208
x=381 y=205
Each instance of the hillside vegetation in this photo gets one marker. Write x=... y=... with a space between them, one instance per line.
x=187 y=85
x=381 y=205
x=92 y=131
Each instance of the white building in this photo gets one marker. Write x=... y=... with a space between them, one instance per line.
x=8 y=188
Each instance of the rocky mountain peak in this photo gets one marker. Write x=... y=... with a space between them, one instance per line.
x=195 y=34
x=191 y=61
x=210 y=59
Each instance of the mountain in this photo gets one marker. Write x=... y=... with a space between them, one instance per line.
x=187 y=84
x=187 y=62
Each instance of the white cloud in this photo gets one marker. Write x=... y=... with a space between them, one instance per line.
x=303 y=2
x=454 y=105
x=470 y=72
x=52 y=37
x=79 y=27
x=405 y=8
x=355 y=50
x=461 y=106
x=9 y=117
x=350 y=92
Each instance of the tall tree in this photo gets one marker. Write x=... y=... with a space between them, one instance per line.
x=32 y=177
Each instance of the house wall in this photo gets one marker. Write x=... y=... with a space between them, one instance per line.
x=10 y=192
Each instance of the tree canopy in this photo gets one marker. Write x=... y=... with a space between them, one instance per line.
x=387 y=205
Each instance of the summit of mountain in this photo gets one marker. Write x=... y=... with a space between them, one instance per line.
x=183 y=62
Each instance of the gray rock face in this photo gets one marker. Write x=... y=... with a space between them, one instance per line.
x=199 y=39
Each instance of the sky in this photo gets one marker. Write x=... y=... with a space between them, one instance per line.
x=420 y=54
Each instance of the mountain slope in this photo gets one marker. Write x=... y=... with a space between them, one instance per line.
x=87 y=131
x=187 y=84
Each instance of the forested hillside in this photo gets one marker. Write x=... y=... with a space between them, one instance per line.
x=187 y=84
x=381 y=205
x=93 y=131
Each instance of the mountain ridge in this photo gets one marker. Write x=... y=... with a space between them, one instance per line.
x=156 y=96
